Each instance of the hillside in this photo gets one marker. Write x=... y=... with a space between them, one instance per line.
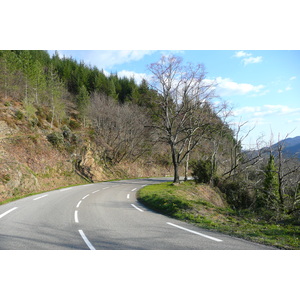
x=48 y=135
x=31 y=160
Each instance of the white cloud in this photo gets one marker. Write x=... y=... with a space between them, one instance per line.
x=110 y=58
x=242 y=54
x=247 y=57
x=265 y=110
x=288 y=88
x=246 y=110
x=280 y=109
x=293 y=78
x=294 y=120
x=227 y=87
x=252 y=60
x=137 y=76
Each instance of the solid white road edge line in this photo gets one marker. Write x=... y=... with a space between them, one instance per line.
x=137 y=208
x=7 y=212
x=40 y=197
x=66 y=189
x=195 y=232
x=78 y=203
x=76 y=216
x=88 y=243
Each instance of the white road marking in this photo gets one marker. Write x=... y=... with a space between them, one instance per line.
x=128 y=196
x=78 y=203
x=88 y=243
x=76 y=216
x=66 y=189
x=95 y=191
x=7 y=212
x=144 y=185
x=40 y=197
x=105 y=188
x=137 y=208
x=195 y=232
x=85 y=196
x=133 y=190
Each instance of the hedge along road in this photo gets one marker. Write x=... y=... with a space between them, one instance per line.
x=102 y=216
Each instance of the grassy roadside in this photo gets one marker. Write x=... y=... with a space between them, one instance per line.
x=200 y=205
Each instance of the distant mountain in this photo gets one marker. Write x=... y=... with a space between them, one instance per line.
x=291 y=146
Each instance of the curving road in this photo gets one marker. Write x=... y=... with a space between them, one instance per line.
x=102 y=216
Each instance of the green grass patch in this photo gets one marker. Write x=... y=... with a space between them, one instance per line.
x=175 y=201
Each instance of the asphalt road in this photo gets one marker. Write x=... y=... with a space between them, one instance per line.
x=102 y=216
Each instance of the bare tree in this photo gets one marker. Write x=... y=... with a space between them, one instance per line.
x=183 y=110
x=121 y=129
x=288 y=168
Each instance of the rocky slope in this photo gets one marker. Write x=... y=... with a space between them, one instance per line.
x=35 y=157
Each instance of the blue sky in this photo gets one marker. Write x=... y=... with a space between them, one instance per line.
x=262 y=87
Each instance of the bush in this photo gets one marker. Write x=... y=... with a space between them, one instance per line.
x=237 y=194
x=202 y=171
x=19 y=115
x=55 y=138
x=74 y=125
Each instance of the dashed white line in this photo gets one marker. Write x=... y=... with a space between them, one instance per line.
x=195 y=232
x=105 y=188
x=128 y=195
x=85 y=196
x=95 y=191
x=78 y=203
x=137 y=208
x=40 y=197
x=133 y=189
x=7 y=212
x=88 y=243
x=76 y=216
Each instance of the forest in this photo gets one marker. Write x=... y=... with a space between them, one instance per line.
x=171 y=122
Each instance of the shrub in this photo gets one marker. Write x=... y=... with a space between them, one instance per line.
x=237 y=194
x=55 y=138
x=19 y=115
x=202 y=171
x=74 y=125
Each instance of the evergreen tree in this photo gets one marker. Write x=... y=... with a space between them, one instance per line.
x=83 y=102
x=55 y=88
x=270 y=188
x=9 y=74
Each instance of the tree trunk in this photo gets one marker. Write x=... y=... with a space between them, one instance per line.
x=175 y=164
x=176 y=174
x=186 y=168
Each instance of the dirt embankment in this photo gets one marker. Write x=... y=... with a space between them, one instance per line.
x=30 y=163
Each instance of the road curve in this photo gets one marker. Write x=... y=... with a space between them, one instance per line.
x=102 y=216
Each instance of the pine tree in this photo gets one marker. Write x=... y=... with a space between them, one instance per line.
x=9 y=73
x=55 y=91
x=271 y=185
x=83 y=102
